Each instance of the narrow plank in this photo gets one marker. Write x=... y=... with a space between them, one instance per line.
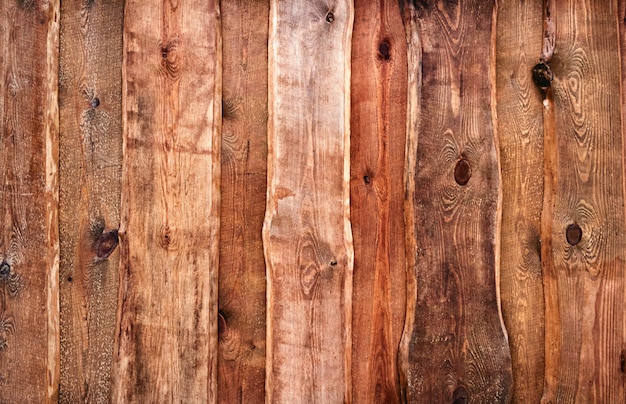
x=583 y=231
x=29 y=246
x=378 y=123
x=455 y=345
x=90 y=112
x=242 y=285
x=306 y=233
x=166 y=338
x=520 y=134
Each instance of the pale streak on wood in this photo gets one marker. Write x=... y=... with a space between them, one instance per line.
x=549 y=31
x=306 y=234
x=166 y=339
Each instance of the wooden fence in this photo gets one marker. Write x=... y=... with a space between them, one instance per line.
x=312 y=201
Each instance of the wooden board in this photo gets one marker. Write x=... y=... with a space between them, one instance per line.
x=90 y=92
x=29 y=247
x=583 y=222
x=520 y=134
x=455 y=345
x=378 y=123
x=166 y=339
x=241 y=364
x=306 y=234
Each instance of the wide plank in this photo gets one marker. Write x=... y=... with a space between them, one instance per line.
x=306 y=233
x=166 y=338
x=29 y=244
x=583 y=235
x=242 y=285
x=454 y=347
x=90 y=92
x=378 y=127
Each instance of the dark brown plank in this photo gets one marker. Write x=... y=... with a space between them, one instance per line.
x=90 y=92
x=583 y=235
x=454 y=341
x=29 y=246
x=166 y=338
x=378 y=126
x=520 y=134
x=241 y=364
x=306 y=234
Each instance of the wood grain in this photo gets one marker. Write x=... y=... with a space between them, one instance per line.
x=454 y=347
x=29 y=246
x=90 y=92
x=242 y=285
x=378 y=123
x=306 y=233
x=166 y=339
x=583 y=221
x=520 y=134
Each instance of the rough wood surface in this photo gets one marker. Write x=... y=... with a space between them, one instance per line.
x=90 y=92
x=520 y=134
x=306 y=234
x=455 y=345
x=166 y=339
x=241 y=364
x=583 y=220
x=378 y=123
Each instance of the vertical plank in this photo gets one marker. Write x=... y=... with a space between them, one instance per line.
x=242 y=285
x=583 y=224
x=306 y=234
x=520 y=133
x=378 y=123
x=166 y=339
x=29 y=247
x=90 y=112
x=454 y=348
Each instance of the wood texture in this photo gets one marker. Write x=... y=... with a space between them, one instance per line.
x=29 y=247
x=455 y=345
x=378 y=123
x=166 y=340
x=520 y=134
x=242 y=285
x=306 y=234
x=583 y=221
x=90 y=92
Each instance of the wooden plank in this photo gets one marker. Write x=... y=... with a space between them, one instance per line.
x=166 y=338
x=520 y=134
x=242 y=285
x=29 y=247
x=306 y=234
x=583 y=220
x=378 y=123
x=90 y=185
x=454 y=348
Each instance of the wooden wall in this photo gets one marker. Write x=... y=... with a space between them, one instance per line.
x=312 y=201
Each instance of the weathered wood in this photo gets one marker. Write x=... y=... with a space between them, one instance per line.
x=583 y=237
x=454 y=347
x=520 y=134
x=378 y=123
x=306 y=234
x=166 y=340
x=90 y=112
x=242 y=285
x=29 y=247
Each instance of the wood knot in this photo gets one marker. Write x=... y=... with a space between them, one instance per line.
x=573 y=234
x=95 y=102
x=384 y=50
x=170 y=63
x=542 y=75
x=462 y=171
x=330 y=17
x=106 y=244
x=5 y=269
x=460 y=395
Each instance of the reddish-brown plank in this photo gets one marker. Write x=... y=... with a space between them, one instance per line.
x=29 y=246
x=241 y=363
x=90 y=92
x=166 y=337
x=378 y=126
x=306 y=233
x=454 y=347
x=583 y=222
